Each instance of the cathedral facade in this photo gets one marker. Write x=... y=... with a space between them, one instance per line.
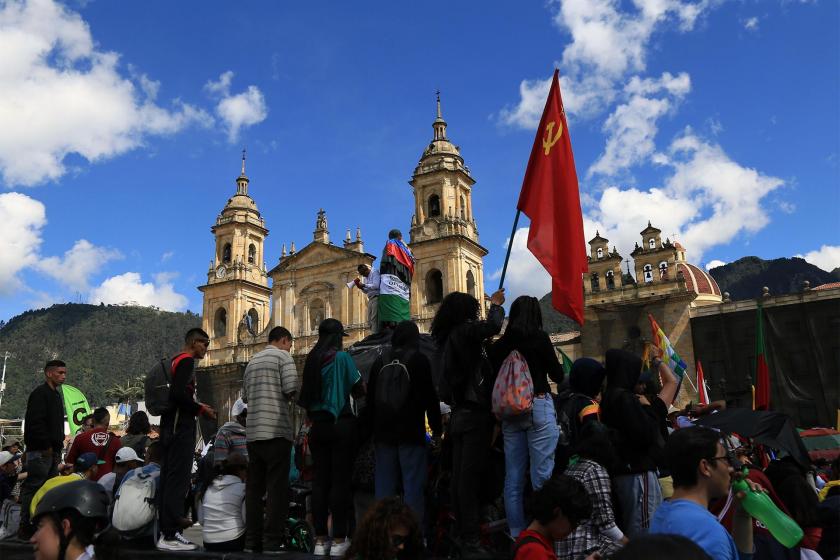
x=307 y=285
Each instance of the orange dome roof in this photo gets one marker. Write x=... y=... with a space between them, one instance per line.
x=698 y=280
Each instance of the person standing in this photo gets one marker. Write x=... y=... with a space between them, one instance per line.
x=529 y=438
x=99 y=441
x=399 y=428
x=462 y=336
x=269 y=386
x=329 y=378
x=370 y=286
x=396 y=270
x=44 y=438
x=177 y=435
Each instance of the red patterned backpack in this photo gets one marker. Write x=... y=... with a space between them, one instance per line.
x=513 y=392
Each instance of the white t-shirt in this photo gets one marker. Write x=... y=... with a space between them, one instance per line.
x=223 y=510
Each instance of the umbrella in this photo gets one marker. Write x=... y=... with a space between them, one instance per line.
x=821 y=443
x=770 y=428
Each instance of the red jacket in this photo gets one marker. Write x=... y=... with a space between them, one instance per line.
x=96 y=441
x=531 y=545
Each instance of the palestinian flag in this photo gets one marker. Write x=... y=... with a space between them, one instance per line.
x=395 y=272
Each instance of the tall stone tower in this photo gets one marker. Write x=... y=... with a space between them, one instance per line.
x=236 y=296
x=444 y=236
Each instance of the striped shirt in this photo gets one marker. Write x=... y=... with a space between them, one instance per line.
x=270 y=375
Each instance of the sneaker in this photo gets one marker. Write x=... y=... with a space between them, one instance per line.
x=176 y=544
x=338 y=549
x=322 y=548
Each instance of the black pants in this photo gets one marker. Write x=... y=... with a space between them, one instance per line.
x=470 y=432
x=178 y=451
x=228 y=546
x=40 y=466
x=333 y=448
x=268 y=469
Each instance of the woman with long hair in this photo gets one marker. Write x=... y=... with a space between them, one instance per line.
x=468 y=377
x=137 y=434
x=388 y=531
x=529 y=438
x=329 y=378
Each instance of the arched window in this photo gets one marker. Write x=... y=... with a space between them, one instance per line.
x=470 y=283
x=648 y=273
x=434 y=286
x=593 y=280
x=434 y=205
x=220 y=322
x=252 y=254
x=316 y=314
x=253 y=321
x=463 y=208
x=663 y=270
x=610 y=280
x=652 y=243
x=226 y=253
x=600 y=253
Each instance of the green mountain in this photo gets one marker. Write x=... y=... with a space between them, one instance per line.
x=102 y=345
x=553 y=320
x=745 y=278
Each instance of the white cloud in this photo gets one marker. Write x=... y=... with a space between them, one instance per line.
x=21 y=220
x=78 y=264
x=167 y=255
x=751 y=24
x=129 y=288
x=60 y=94
x=525 y=275
x=707 y=200
x=714 y=264
x=632 y=127
x=826 y=257
x=240 y=110
x=606 y=45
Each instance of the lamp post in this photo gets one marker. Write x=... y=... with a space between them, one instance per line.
x=6 y=356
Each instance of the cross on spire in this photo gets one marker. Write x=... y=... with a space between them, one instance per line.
x=244 y=153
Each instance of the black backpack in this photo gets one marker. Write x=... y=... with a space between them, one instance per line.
x=156 y=388
x=393 y=387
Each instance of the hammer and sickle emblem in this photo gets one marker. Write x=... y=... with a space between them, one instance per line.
x=549 y=141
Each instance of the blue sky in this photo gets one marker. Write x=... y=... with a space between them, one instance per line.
x=122 y=123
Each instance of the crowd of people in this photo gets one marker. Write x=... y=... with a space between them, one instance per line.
x=414 y=458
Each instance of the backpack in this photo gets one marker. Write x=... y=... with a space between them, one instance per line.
x=393 y=387
x=156 y=388
x=513 y=392
x=134 y=501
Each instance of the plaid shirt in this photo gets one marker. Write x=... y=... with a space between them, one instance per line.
x=590 y=535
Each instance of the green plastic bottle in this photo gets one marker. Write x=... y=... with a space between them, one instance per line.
x=761 y=507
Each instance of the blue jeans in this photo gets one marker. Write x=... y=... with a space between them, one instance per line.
x=404 y=463
x=532 y=436
x=638 y=496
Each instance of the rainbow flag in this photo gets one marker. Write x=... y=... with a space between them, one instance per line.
x=669 y=355
x=395 y=272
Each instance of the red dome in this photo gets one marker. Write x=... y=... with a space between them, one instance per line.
x=698 y=280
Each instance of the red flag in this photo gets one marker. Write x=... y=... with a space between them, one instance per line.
x=761 y=400
x=551 y=200
x=702 y=390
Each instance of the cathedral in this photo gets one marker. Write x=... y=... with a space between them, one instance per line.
x=244 y=299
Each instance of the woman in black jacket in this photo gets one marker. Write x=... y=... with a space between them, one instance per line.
x=399 y=428
x=530 y=437
x=468 y=377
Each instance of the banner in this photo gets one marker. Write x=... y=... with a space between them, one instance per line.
x=76 y=407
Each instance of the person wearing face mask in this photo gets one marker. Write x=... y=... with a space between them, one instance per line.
x=388 y=531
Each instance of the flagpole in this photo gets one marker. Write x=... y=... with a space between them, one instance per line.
x=510 y=246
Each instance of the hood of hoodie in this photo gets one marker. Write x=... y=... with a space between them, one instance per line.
x=587 y=377
x=623 y=369
x=226 y=480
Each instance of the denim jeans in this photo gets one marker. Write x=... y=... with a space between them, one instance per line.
x=41 y=466
x=638 y=496
x=404 y=463
x=532 y=436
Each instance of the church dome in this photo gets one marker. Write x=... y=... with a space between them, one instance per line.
x=241 y=202
x=698 y=280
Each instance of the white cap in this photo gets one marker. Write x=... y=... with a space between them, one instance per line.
x=238 y=408
x=445 y=408
x=126 y=454
x=6 y=456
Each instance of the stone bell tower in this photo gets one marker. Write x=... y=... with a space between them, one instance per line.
x=236 y=296
x=444 y=235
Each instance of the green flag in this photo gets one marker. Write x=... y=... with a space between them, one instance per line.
x=567 y=362
x=76 y=407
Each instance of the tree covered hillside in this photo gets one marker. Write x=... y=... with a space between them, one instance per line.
x=745 y=278
x=102 y=345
